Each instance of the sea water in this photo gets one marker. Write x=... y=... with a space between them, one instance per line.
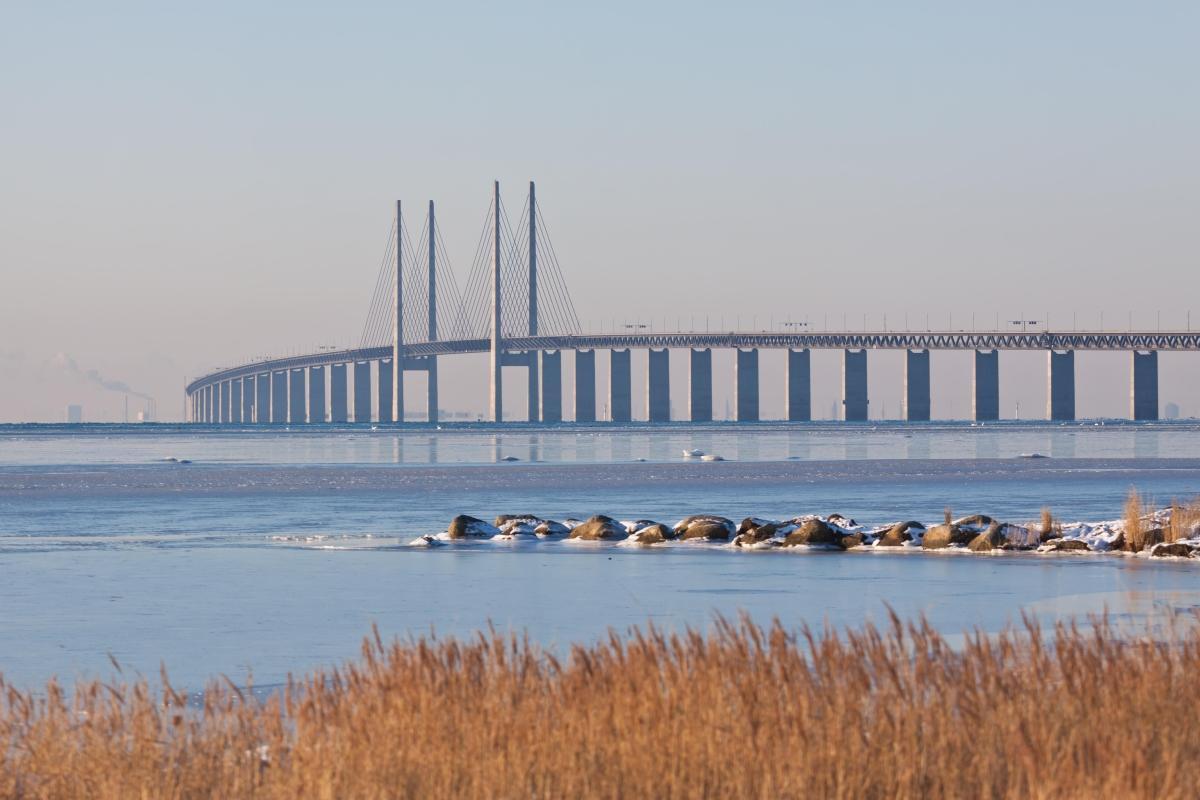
x=275 y=551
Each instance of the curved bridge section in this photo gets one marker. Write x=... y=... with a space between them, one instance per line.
x=516 y=308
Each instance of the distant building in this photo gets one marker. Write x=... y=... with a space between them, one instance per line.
x=74 y=414
x=1171 y=411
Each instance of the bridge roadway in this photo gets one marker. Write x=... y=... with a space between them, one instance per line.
x=233 y=394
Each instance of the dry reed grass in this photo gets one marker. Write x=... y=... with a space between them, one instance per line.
x=1185 y=519
x=742 y=712
x=1135 y=530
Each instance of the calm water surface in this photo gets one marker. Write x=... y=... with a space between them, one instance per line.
x=275 y=551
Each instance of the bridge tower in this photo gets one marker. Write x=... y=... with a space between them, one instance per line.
x=496 y=399
x=534 y=405
x=431 y=396
x=398 y=323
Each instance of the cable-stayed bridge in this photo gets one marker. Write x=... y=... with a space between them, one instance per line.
x=515 y=306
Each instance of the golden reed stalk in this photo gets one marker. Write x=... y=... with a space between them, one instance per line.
x=744 y=711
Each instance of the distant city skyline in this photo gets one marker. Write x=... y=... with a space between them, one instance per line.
x=194 y=187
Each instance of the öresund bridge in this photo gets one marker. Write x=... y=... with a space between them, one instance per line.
x=516 y=307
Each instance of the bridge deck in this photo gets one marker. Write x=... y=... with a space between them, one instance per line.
x=887 y=340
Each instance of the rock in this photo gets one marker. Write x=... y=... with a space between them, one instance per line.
x=841 y=521
x=1064 y=545
x=549 y=527
x=811 y=531
x=637 y=524
x=464 y=527
x=653 y=534
x=518 y=527
x=503 y=519
x=976 y=522
x=598 y=527
x=755 y=529
x=940 y=536
x=1176 y=549
x=989 y=540
x=850 y=540
x=900 y=533
x=705 y=526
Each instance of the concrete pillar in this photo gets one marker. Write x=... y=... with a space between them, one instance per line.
x=262 y=397
x=1060 y=394
x=316 y=394
x=585 y=385
x=235 y=400
x=362 y=391
x=1143 y=399
x=620 y=386
x=700 y=386
x=799 y=385
x=745 y=386
x=431 y=390
x=214 y=396
x=552 y=386
x=223 y=407
x=279 y=407
x=658 y=386
x=916 y=385
x=854 y=385
x=203 y=392
x=383 y=390
x=533 y=406
x=247 y=399
x=337 y=393
x=986 y=400
x=297 y=402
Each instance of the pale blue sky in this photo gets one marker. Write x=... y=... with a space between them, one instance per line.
x=187 y=185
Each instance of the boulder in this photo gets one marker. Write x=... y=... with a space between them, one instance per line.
x=751 y=524
x=1064 y=545
x=637 y=524
x=841 y=521
x=654 y=533
x=977 y=521
x=940 y=536
x=989 y=540
x=598 y=527
x=504 y=519
x=1177 y=549
x=705 y=526
x=549 y=527
x=850 y=540
x=518 y=527
x=899 y=533
x=464 y=527
x=812 y=531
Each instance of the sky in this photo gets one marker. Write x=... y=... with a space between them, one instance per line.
x=186 y=186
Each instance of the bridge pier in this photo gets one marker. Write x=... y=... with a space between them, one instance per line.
x=585 y=385
x=799 y=385
x=986 y=389
x=383 y=389
x=204 y=395
x=316 y=394
x=552 y=386
x=362 y=391
x=745 y=389
x=1143 y=400
x=658 y=386
x=533 y=404
x=297 y=408
x=916 y=385
x=620 y=386
x=278 y=397
x=235 y=400
x=337 y=394
x=262 y=397
x=1060 y=395
x=700 y=385
x=854 y=386
x=247 y=399
x=431 y=389
x=223 y=408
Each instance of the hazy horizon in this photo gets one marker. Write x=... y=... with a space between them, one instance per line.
x=187 y=188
